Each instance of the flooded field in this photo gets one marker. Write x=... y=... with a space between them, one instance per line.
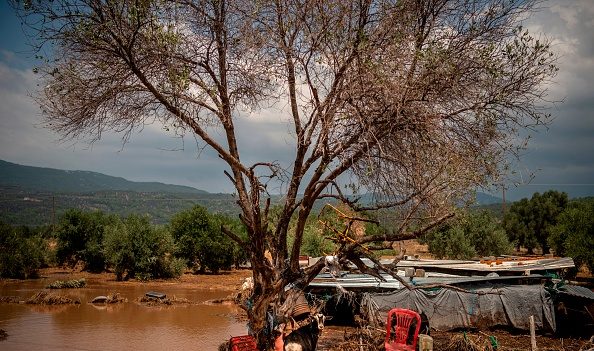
x=127 y=326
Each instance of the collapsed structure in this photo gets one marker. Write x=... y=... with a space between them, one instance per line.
x=452 y=294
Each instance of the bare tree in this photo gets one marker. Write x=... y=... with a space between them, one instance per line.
x=417 y=102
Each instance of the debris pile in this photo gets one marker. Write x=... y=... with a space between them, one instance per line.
x=155 y=301
x=369 y=339
x=68 y=284
x=47 y=298
x=464 y=342
x=589 y=345
x=245 y=292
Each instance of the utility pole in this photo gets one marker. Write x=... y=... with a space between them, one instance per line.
x=503 y=193
x=53 y=214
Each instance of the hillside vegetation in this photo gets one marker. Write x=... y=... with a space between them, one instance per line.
x=20 y=206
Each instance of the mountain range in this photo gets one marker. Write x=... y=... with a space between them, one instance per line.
x=61 y=181
x=35 y=195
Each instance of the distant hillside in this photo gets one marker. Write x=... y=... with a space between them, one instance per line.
x=20 y=206
x=480 y=200
x=486 y=199
x=56 y=180
x=35 y=196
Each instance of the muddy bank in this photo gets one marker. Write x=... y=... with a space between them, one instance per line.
x=59 y=278
x=226 y=281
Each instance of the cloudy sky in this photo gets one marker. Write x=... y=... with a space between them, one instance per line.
x=561 y=157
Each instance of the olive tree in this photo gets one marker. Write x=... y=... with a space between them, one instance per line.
x=529 y=222
x=415 y=102
x=80 y=238
x=136 y=249
x=472 y=234
x=200 y=241
x=573 y=233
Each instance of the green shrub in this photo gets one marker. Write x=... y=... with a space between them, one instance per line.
x=573 y=235
x=200 y=241
x=529 y=223
x=239 y=254
x=471 y=235
x=135 y=248
x=22 y=252
x=68 y=284
x=314 y=244
x=80 y=238
x=317 y=235
x=451 y=242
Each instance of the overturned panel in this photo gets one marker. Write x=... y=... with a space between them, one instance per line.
x=448 y=309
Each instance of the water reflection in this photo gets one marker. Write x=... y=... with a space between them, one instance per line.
x=128 y=326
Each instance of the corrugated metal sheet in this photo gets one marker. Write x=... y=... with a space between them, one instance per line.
x=461 y=272
x=509 y=265
x=355 y=281
x=363 y=281
x=578 y=291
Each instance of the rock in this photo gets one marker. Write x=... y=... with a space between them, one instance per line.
x=99 y=299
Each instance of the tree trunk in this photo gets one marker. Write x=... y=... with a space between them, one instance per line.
x=258 y=322
x=263 y=298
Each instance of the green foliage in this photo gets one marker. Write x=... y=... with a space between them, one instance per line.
x=22 y=252
x=200 y=240
x=80 y=237
x=528 y=223
x=134 y=247
x=316 y=235
x=450 y=242
x=314 y=242
x=237 y=254
x=240 y=255
x=487 y=235
x=516 y=223
x=573 y=235
x=473 y=234
x=380 y=229
x=68 y=284
x=160 y=206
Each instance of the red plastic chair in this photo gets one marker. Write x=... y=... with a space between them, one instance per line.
x=398 y=328
x=243 y=343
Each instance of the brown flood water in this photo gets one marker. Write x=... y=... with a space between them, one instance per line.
x=127 y=326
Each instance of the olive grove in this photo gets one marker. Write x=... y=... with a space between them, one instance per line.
x=415 y=103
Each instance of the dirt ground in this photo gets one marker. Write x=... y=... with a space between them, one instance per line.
x=413 y=247
x=340 y=338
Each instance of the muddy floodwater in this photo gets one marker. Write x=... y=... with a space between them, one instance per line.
x=126 y=326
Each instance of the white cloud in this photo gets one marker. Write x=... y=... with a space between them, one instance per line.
x=562 y=155
x=146 y=157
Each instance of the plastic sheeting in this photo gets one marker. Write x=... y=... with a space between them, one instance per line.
x=449 y=309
